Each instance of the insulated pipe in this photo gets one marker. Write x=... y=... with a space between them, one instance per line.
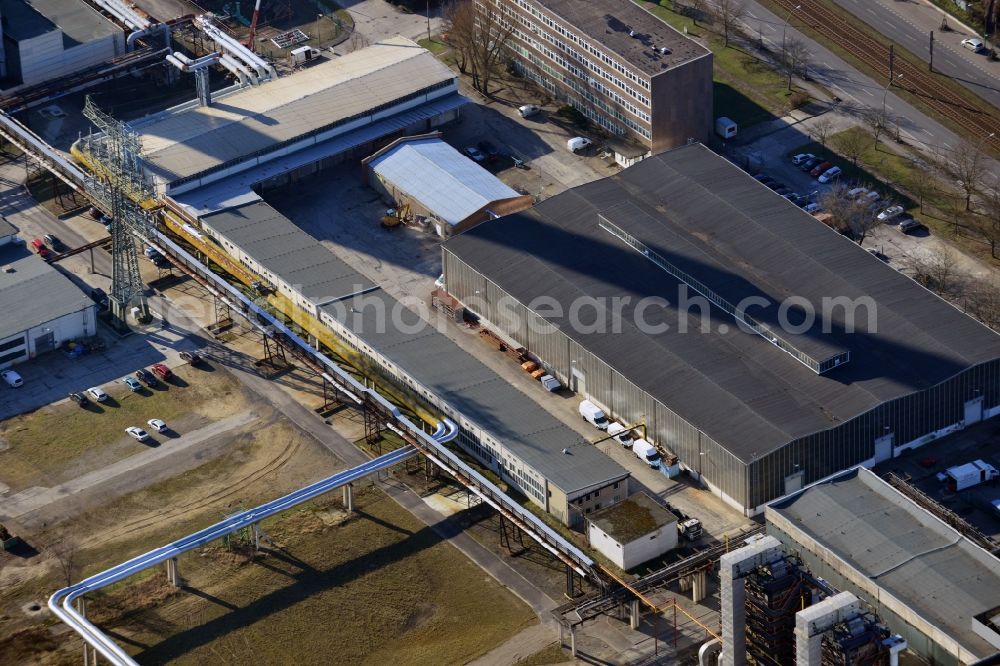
x=242 y=72
x=235 y=49
x=139 y=34
x=709 y=649
x=124 y=14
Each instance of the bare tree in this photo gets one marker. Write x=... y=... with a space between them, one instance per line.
x=460 y=23
x=489 y=48
x=730 y=14
x=820 y=130
x=938 y=271
x=877 y=121
x=967 y=167
x=852 y=143
x=851 y=214
x=66 y=553
x=794 y=57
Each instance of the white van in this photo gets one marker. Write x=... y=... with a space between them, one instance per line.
x=578 y=143
x=646 y=452
x=593 y=415
x=621 y=434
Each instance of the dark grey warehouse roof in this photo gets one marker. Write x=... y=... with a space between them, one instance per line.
x=288 y=252
x=32 y=292
x=704 y=214
x=476 y=392
x=608 y=23
x=929 y=567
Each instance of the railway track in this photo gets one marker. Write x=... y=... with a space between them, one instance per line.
x=978 y=121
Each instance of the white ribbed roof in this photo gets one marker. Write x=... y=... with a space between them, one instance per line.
x=440 y=178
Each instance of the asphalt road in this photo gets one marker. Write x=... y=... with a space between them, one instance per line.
x=857 y=91
x=909 y=24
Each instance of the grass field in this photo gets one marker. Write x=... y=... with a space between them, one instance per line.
x=42 y=444
x=553 y=654
x=376 y=587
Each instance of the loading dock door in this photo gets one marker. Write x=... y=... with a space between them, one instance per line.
x=579 y=382
x=974 y=411
x=883 y=447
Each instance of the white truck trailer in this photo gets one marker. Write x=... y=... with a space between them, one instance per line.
x=970 y=474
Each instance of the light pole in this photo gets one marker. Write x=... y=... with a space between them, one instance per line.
x=428 y=12
x=319 y=29
x=784 y=27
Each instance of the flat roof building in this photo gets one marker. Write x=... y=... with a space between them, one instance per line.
x=629 y=288
x=927 y=581
x=41 y=307
x=621 y=66
x=46 y=39
x=394 y=86
x=633 y=531
x=502 y=427
x=440 y=184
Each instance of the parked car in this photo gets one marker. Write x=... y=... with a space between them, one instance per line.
x=489 y=149
x=12 y=378
x=856 y=193
x=53 y=241
x=158 y=260
x=890 y=213
x=578 y=143
x=157 y=425
x=820 y=168
x=782 y=190
x=39 y=246
x=475 y=153
x=802 y=158
x=146 y=377
x=162 y=371
x=97 y=393
x=830 y=174
x=138 y=434
x=774 y=185
x=974 y=44
x=910 y=224
x=529 y=110
x=760 y=178
x=811 y=208
x=192 y=358
x=149 y=251
x=79 y=399
x=99 y=296
x=809 y=165
x=132 y=383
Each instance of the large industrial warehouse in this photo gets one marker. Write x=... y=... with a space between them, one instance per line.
x=756 y=416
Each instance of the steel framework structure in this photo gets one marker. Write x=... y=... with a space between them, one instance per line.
x=120 y=182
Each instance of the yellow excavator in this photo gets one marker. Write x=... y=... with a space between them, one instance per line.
x=396 y=216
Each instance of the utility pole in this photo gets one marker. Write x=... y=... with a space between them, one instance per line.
x=428 y=12
x=930 y=65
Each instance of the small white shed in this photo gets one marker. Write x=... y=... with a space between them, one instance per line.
x=634 y=531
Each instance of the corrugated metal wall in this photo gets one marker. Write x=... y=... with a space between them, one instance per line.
x=749 y=484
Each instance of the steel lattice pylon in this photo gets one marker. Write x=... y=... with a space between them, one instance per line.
x=120 y=182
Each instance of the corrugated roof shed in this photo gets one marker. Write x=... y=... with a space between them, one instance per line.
x=33 y=292
x=703 y=213
x=194 y=140
x=443 y=180
x=928 y=566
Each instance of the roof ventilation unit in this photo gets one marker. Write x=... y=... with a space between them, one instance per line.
x=631 y=33
x=664 y=50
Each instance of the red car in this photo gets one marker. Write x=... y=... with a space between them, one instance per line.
x=819 y=169
x=38 y=246
x=162 y=371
